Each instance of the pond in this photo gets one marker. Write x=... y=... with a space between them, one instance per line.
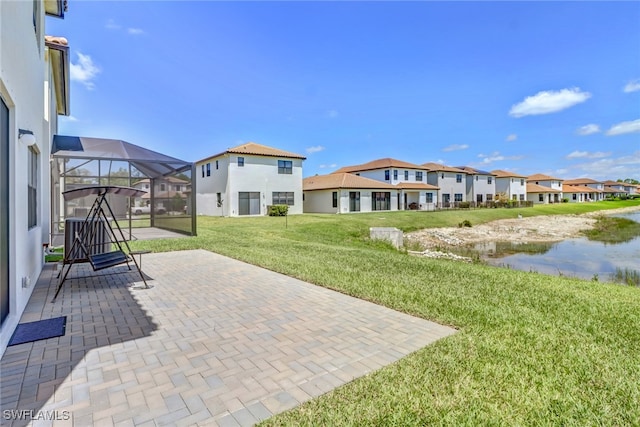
x=578 y=257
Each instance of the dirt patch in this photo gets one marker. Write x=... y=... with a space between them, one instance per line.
x=549 y=228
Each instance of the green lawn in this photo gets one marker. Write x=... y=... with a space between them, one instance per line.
x=532 y=349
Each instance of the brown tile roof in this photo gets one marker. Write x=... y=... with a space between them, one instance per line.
x=342 y=180
x=535 y=188
x=568 y=188
x=581 y=181
x=542 y=177
x=251 y=148
x=379 y=164
x=416 y=186
x=56 y=40
x=610 y=183
x=441 y=168
x=499 y=173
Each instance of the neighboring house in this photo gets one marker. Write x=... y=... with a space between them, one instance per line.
x=615 y=188
x=345 y=192
x=481 y=185
x=170 y=194
x=452 y=183
x=244 y=180
x=511 y=185
x=544 y=181
x=577 y=193
x=596 y=187
x=29 y=62
x=409 y=179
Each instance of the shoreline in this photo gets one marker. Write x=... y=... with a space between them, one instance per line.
x=536 y=229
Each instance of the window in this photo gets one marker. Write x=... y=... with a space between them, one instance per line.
x=489 y=180
x=477 y=177
x=457 y=197
x=406 y=175
x=219 y=199
x=429 y=197
x=489 y=197
x=240 y=162
x=514 y=197
x=209 y=168
x=442 y=176
x=458 y=177
x=354 y=201
x=380 y=201
x=32 y=188
x=178 y=187
x=163 y=187
x=418 y=176
x=575 y=196
x=395 y=175
x=335 y=199
x=522 y=197
x=540 y=198
x=216 y=165
x=522 y=182
x=282 y=198
x=386 y=175
x=285 y=167
x=203 y=171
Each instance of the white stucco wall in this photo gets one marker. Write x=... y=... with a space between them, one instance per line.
x=321 y=201
x=24 y=88
x=447 y=181
x=511 y=186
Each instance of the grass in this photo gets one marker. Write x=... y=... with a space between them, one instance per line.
x=613 y=230
x=531 y=349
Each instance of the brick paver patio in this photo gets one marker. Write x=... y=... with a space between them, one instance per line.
x=214 y=342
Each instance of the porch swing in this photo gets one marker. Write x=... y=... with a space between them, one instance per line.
x=96 y=241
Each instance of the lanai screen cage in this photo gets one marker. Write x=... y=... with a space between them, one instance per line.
x=169 y=203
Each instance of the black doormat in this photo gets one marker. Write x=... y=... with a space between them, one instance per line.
x=40 y=330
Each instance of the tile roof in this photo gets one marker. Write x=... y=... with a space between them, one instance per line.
x=473 y=171
x=535 y=188
x=380 y=164
x=416 y=186
x=568 y=188
x=580 y=181
x=610 y=183
x=342 y=180
x=542 y=177
x=251 y=148
x=56 y=40
x=437 y=167
x=506 y=174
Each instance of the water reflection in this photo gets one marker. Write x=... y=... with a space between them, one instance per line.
x=581 y=257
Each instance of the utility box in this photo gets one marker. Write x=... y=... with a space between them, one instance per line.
x=388 y=234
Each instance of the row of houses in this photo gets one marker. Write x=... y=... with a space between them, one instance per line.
x=246 y=179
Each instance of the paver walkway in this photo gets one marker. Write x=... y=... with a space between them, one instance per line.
x=215 y=341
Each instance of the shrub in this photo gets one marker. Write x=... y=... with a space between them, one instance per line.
x=465 y=205
x=465 y=223
x=277 y=210
x=565 y=200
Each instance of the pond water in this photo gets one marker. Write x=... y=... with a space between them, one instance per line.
x=577 y=257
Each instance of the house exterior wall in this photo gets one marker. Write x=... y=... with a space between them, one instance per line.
x=447 y=181
x=479 y=184
x=321 y=201
x=379 y=175
x=259 y=174
x=546 y=198
x=512 y=186
x=26 y=88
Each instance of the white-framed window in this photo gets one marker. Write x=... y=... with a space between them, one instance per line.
x=32 y=188
x=489 y=179
x=459 y=177
x=540 y=197
x=282 y=198
x=334 y=199
x=285 y=167
x=406 y=175
x=209 y=169
x=522 y=197
x=429 y=197
x=457 y=197
x=240 y=162
x=395 y=175
x=418 y=176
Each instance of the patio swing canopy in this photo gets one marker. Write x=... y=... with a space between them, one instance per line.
x=99 y=190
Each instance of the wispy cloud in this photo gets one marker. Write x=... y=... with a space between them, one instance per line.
x=511 y=138
x=456 y=147
x=588 y=129
x=68 y=118
x=315 y=149
x=84 y=71
x=632 y=86
x=112 y=25
x=331 y=166
x=624 y=127
x=588 y=155
x=496 y=157
x=611 y=168
x=332 y=114
x=135 y=31
x=547 y=102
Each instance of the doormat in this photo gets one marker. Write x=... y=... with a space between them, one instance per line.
x=40 y=330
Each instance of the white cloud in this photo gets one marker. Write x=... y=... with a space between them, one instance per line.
x=332 y=114
x=587 y=155
x=68 y=118
x=625 y=127
x=611 y=168
x=588 y=129
x=511 y=138
x=632 y=86
x=135 y=31
x=546 y=102
x=112 y=25
x=456 y=147
x=84 y=71
x=315 y=149
x=496 y=157
x=331 y=166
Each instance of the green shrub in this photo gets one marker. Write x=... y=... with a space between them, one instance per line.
x=465 y=205
x=465 y=223
x=277 y=210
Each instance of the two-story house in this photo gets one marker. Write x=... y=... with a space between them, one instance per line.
x=510 y=185
x=410 y=180
x=34 y=90
x=451 y=181
x=594 y=190
x=544 y=189
x=481 y=185
x=244 y=180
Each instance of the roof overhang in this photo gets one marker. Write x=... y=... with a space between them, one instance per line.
x=55 y=8
x=59 y=62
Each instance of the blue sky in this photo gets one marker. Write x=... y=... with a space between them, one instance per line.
x=532 y=87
